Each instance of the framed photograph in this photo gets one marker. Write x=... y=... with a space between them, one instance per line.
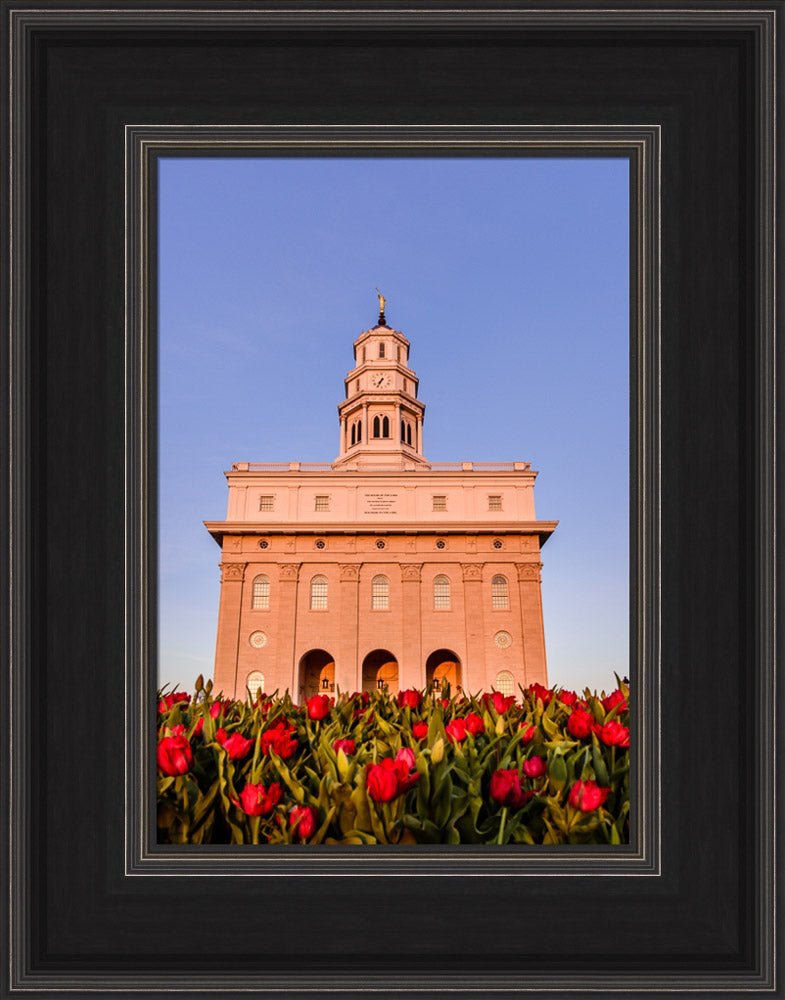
x=104 y=106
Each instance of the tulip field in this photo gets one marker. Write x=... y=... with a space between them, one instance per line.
x=547 y=767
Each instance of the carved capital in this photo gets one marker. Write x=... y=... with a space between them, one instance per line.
x=528 y=572
x=349 y=571
x=411 y=571
x=472 y=571
x=289 y=571
x=232 y=571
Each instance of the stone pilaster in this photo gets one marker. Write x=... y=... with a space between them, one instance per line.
x=288 y=576
x=229 y=617
x=347 y=669
x=532 y=628
x=411 y=669
x=473 y=670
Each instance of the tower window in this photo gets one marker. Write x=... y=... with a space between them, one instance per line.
x=398 y=355
x=266 y=502
x=494 y=503
x=377 y=427
x=385 y=427
x=500 y=598
x=505 y=683
x=440 y=503
x=319 y=593
x=381 y=350
x=363 y=354
x=255 y=684
x=403 y=432
x=354 y=433
x=408 y=433
x=405 y=386
x=260 y=595
x=321 y=503
x=357 y=386
x=441 y=594
x=359 y=431
x=380 y=594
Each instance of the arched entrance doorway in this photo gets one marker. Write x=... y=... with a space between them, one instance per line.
x=443 y=667
x=380 y=669
x=317 y=674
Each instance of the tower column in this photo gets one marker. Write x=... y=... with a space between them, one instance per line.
x=532 y=623
x=411 y=669
x=288 y=575
x=347 y=669
x=474 y=669
x=227 y=644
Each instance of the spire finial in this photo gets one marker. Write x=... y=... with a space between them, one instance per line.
x=382 y=302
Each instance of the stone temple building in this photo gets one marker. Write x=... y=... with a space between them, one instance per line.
x=380 y=568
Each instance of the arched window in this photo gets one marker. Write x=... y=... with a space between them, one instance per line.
x=354 y=433
x=377 y=427
x=403 y=432
x=441 y=594
x=381 y=350
x=255 y=683
x=260 y=595
x=408 y=433
x=319 y=593
x=385 y=427
x=500 y=598
x=380 y=594
x=505 y=683
x=359 y=431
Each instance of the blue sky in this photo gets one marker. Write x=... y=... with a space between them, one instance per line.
x=509 y=277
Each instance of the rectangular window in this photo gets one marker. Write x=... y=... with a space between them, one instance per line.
x=266 y=502
x=380 y=595
x=381 y=350
x=261 y=593
x=494 y=503
x=322 y=503
x=440 y=503
x=405 y=386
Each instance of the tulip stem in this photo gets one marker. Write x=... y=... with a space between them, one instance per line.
x=501 y=828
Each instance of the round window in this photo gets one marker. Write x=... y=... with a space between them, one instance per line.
x=264 y=544
x=503 y=639
x=257 y=639
x=320 y=543
x=441 y=544
x=380 y=543
x=497 y=543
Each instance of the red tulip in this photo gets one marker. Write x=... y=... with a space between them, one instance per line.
x=506 y=789
x=420 y=730
x=381 y=782
x=174 y=755
x=567 y=698
x=256 y=800
x=456 y=730
x=406 y=756
x=615 y=698
x=215 y=709
x=529 y=732
x=346 y=745
x=303 y=821
x=199 y=726
x=541 y=692
x=411 y=698
x=169 y=700
x=534 y=767
x=499 y=701
x=613 y=733
x=475 y=724
x=221 y=735
x=580 y=723
x=237 y=746
x=587 y=795
x=318 y=707
x=279 y=739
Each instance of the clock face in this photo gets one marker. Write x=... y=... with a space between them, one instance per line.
x=377 y=381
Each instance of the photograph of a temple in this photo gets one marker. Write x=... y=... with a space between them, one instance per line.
x=380 y=568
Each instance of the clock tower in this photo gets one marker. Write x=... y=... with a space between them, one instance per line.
x=381 y=417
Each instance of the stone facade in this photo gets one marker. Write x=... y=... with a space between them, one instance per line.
x=380 y=567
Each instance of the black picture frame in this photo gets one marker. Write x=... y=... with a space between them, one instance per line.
x=92 y=910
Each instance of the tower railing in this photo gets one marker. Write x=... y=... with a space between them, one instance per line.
x=431 y=467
